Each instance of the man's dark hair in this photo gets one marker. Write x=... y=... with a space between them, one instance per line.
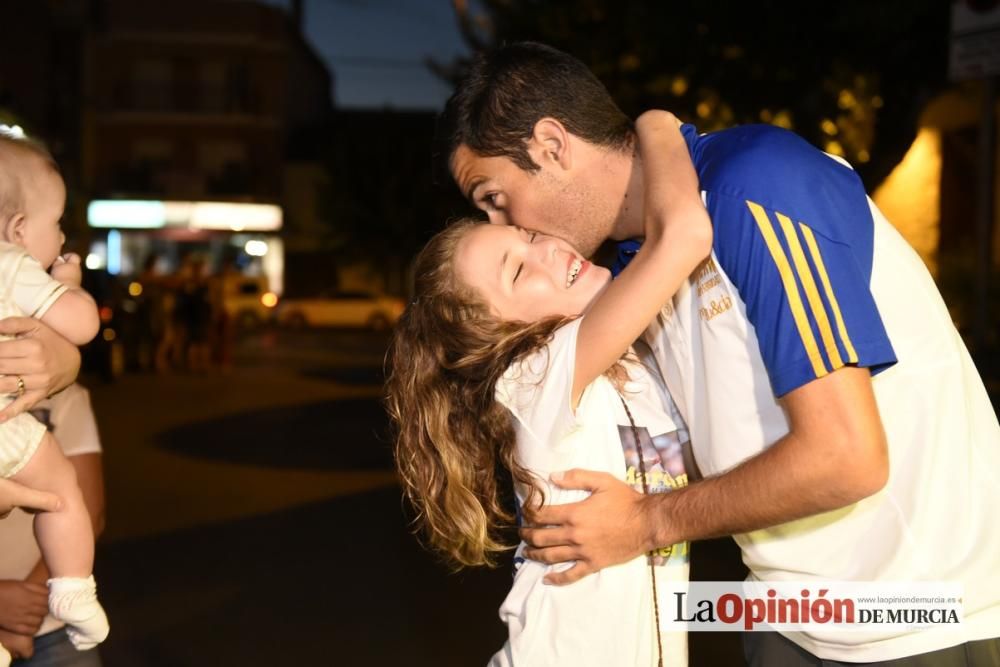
x=506 y=91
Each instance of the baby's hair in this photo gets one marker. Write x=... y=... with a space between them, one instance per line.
x=14 y=151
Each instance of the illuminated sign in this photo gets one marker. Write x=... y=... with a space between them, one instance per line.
x=144 y=214
x=126 y=214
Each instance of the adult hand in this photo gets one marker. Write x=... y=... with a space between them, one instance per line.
x=14 y=495
x=45 y=361
x=20 y=646
x=23 y=606
x=607 y=528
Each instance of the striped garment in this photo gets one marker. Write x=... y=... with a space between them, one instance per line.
x=27 y=289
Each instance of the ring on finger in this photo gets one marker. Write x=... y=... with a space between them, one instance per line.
x=20 y=386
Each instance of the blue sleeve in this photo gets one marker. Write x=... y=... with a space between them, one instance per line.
x=807 y=295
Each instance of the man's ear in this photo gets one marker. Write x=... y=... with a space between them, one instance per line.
x=550 y=145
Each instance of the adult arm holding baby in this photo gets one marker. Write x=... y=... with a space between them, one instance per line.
x=42 y=357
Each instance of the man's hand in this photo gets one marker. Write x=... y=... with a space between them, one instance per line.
x=609 y=527
x=23 y=606
x=44 y=360
x=14 y=495
x=21 y=647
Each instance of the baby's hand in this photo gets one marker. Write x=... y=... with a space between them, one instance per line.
x=66 y=269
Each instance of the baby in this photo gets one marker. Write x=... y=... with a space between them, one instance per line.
x=32 y=197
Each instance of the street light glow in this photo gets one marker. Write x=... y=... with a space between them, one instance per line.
x=255 y=248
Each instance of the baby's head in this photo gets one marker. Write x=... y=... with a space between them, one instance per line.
x=32 y=199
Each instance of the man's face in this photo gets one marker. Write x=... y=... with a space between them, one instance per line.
x=549 y=200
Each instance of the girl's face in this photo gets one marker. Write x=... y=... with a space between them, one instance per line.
x=525 y=276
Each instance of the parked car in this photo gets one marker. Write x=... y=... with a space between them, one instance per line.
x=248 y=301
x=341 y=309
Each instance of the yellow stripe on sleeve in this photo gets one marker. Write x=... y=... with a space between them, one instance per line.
x=812 y=294
x=791 y=289
x=852 y=356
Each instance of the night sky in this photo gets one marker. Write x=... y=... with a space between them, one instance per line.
x=376 y=49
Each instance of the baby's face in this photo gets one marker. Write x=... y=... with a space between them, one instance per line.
x=44 y=202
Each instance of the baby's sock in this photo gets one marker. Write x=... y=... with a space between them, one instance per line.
x=4 y=657
x=73 y=601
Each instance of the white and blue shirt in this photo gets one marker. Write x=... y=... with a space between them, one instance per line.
x=806 y=276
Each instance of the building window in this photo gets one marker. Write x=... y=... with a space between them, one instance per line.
x=149 y=163
x=226 y=167
x=239 y=98
x=213 y=87
x=152 y=85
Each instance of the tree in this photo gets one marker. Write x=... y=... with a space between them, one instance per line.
x=382 y=198
x=850 y=77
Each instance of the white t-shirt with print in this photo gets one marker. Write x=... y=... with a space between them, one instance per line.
x=607 y=618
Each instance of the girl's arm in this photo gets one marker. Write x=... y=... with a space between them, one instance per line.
x=678 y=237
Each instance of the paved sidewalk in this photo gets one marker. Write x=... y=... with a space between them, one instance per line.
x=254 y=520
x=153 y=427
x=224 y=548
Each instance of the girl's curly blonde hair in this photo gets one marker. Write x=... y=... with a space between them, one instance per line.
x=447 y=354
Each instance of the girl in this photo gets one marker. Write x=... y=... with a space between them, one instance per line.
x=515 y=352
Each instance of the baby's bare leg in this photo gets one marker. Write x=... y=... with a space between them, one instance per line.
x=66 y=537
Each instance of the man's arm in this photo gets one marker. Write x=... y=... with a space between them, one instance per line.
x=24 y=604
x=834 y=455
x=20 y=647
x=44 y=360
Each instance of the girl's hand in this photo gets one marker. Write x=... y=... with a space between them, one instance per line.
x=671 y=193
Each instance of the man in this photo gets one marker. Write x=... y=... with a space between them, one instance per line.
x=842 y=428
